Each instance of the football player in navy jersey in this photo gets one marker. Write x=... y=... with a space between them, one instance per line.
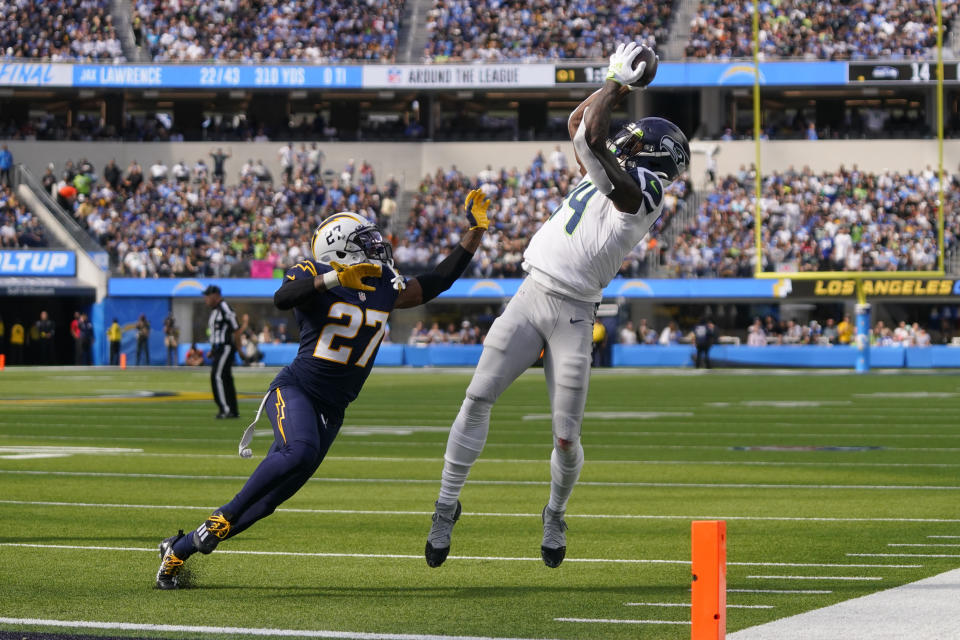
x=341 y=300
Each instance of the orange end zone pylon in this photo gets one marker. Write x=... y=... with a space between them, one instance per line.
x=708 y=613
x=123 y=361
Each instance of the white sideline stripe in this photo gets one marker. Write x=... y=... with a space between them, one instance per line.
x=503 y=558
x=855 y=578
x=800 y=591
x=681 y=604
x=618 y=621
x=923 y=610
x=929 y=544
x=490 y=514
x=240 y=631
x=951 y=537
x=537 y=483
x=902 y=555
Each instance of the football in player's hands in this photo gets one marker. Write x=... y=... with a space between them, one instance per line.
x=650 y=57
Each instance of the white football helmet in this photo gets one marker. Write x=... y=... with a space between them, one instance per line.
x=349 y=238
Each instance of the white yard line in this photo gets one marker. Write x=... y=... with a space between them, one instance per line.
x=499 y=558
x=923 y=610
x=791 y=591
x=901 y=555
x=925 y=544
x=618 y=621
x=852 y=578
x=234 y=631
x=439 y=445
x=137 y=453
x=682 y=604
x=490 y=514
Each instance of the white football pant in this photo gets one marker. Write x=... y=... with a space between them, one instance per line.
x=535 y=319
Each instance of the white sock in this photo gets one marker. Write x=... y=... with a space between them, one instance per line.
x=565 y=469
x=464 y=444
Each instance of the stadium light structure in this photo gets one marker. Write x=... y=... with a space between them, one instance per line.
x=863 y=307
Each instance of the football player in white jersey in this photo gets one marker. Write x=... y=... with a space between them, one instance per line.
x=569 y=261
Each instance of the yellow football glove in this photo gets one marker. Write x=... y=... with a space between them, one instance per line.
x=476 y=207
x=351 y=276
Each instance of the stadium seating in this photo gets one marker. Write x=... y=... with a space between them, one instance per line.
x=19 y=229
x=59 y=30
x=885 y=29
x=162 y=227
x=844 y=221
x=493 y=30
x=245 y=31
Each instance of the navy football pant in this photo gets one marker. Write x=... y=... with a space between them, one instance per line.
x=301 y=438
x=302 y=435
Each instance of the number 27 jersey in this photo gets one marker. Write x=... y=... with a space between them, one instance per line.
x=340 y=333
x=580 y=248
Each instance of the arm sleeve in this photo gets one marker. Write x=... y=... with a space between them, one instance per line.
x=297 y=287
x=293 y=293
x=444 y=274
x=595 y=170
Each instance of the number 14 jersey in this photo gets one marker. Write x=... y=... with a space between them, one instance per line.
x=580 y=248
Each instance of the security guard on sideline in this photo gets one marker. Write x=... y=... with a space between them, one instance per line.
x=224 y=343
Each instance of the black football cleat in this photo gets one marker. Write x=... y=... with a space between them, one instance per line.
x=438 y=540
x=227 y=416
x=168 y=576
x=208 y=535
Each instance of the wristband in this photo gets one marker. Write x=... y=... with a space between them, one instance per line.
x=331 y=279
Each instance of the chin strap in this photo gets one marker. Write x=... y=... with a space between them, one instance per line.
x=398 y=281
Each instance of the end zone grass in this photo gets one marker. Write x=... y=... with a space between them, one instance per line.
x=820 y=478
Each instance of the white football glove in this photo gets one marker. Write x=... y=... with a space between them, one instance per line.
x=621 y=68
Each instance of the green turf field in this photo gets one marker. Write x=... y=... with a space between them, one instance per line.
x=820 y=479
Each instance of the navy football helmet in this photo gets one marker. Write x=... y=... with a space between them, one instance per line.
x=655 y=144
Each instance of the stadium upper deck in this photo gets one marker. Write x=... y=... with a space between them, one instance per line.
x=453 y=30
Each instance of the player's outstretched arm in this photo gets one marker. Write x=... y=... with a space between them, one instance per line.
x=425 y=287
x=590 y=140
x=576 y=117
x=293 y=293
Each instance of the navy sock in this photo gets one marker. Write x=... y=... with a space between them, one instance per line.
x=183 y=548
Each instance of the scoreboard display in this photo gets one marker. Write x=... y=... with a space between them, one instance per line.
x=920 y=72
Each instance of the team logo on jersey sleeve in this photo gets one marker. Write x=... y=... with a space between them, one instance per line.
x=653 y=191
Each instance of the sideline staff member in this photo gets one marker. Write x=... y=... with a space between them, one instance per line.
x=224 y=343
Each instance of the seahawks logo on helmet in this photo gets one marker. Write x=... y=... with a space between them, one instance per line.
x=654 y=144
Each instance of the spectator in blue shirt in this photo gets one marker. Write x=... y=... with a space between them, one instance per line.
x=6 y=161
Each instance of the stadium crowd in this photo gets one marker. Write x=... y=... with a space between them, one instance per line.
x=249 y=31
x=521 y=200
x=844 y=221
x=183 y=221
x=495 y=30
x=19 y=229
x=879 y=29
x=59 y=30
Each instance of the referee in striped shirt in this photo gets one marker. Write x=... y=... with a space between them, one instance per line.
x=224 y=343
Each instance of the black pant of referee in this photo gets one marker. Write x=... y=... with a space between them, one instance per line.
x=221 y=379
